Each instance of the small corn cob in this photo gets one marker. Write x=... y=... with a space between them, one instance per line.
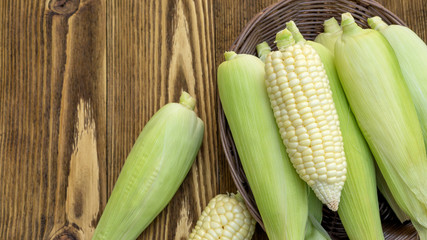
x=411 y=52
x=227 y=218
x=360 y=191
x=332 y=31
x=301 y=99
x=380 y=100
x=279 y=193
x=153 y=171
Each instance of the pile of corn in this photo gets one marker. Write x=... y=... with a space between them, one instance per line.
x=350 y=110
x=315 y=122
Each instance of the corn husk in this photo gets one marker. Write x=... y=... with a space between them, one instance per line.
x=411 y=52
x=314 y=229
x=279 y=193
x=380 y=100
x=358 y=209
x=385 y=191
x=332 y=31
x=155 y=168
x=263 y=49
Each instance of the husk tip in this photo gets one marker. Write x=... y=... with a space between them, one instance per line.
x=346 y=19
x=331 y=25
x=228 y=55
x=284 y=39
x=187 y=100
x=296 y=34
x=376 y=23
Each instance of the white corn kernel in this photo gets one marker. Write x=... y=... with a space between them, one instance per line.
x=225 y=217
x=310 y=109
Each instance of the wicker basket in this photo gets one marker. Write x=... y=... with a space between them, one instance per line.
x=309 y=16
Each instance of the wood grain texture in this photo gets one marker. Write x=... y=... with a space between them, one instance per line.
x=168 y=47
x=53 y=119
x=79 y=79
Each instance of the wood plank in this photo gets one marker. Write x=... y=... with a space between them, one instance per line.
x=53 y=123
x=155 y=50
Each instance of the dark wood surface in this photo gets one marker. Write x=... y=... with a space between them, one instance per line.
x=78 y=81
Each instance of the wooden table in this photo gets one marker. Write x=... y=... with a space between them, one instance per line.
x=78 y=82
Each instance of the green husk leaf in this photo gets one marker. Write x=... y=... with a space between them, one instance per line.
x=263 y=49
x=279 y=193
x=284 y=39
x=385 y=191
x=411 y=52
x=314 y=229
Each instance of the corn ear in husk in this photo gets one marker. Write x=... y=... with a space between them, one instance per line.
x=279 y=193
x=155 y=168
x=411 y=52
x=358 y=209
x=380 y=100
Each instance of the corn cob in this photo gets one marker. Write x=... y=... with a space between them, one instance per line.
x=302 y=102
x=279 y=193
x=360 y=190
x=332 y=31
x=411 y=53
x=380 y=100
x=153 y=171
x=227 y=218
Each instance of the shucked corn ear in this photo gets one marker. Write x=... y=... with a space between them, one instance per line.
x=225 y=218
x=411 y=53
x=358 y=209
x=279 y=193
x=153 y=171
x=301 y=99
x=379 y=98
x=313 y=230
x=332 y=31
